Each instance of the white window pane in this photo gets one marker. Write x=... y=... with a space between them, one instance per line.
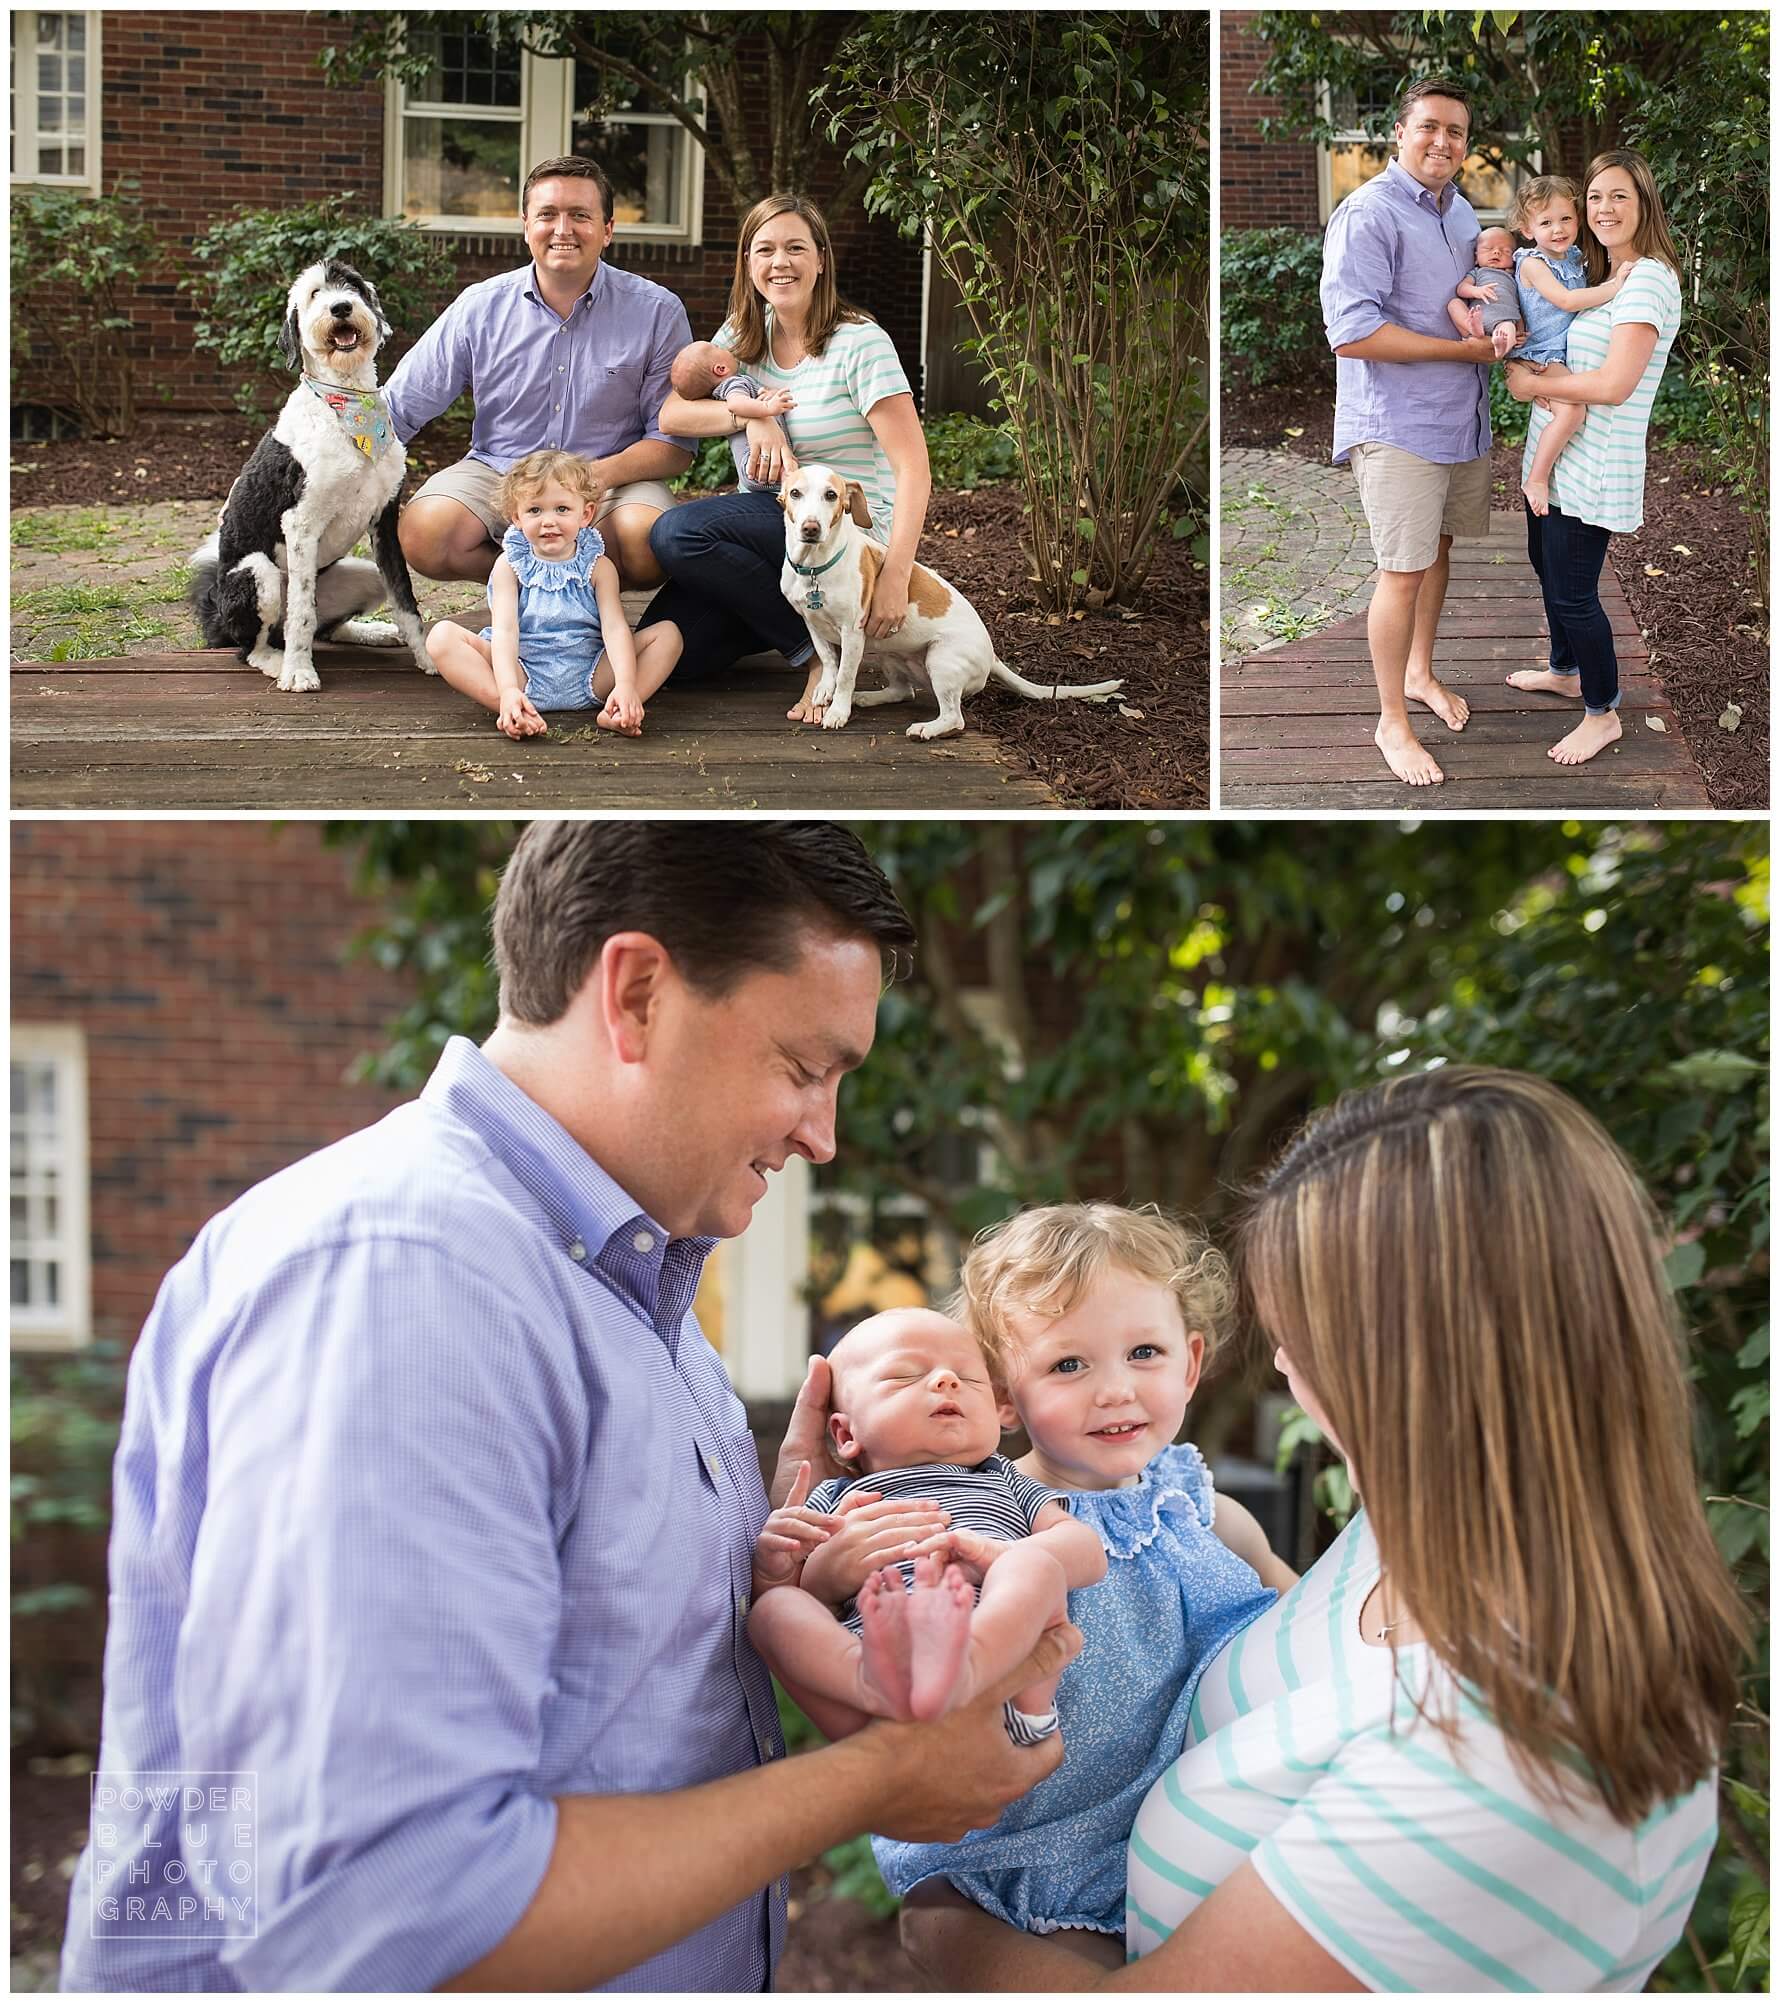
x=52 y=1282
x=77 y=31
x=460 y=167
x=49 y=73
x=467 y=69
x=21 y=1283
x=43 y=1090
x=49 y=114
x=77 y=159
x=51 y=1213
x=21 y=1209
x=50 y=28
x=20 y=1088
x=643 y=162
x=77 y=72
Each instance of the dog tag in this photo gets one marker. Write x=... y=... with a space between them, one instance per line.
x=812 y=600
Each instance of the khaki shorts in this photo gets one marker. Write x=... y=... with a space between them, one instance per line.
x=1410 y=503
x=471 y=484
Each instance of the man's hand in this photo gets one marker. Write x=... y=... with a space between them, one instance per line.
x=806 y=1437
x=868 y=1534
x=959 y=1774
x=788 y=1536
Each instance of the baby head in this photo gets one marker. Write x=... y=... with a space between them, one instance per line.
x=1496 y=248
x=699 y=367
x=911 y=1388
x=550 y=497
x=1099 y=1320
x=1546 y=209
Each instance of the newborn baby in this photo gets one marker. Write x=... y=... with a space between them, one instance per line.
x=1493 y=288
x=703 y=369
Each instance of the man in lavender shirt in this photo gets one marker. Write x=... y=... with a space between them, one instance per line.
x=1411 y=400
x=566 y=352
x=434 y=1507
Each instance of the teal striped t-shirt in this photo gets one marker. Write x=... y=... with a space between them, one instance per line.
x=1599 y=476
x=1415 y=1868
x=834 y=391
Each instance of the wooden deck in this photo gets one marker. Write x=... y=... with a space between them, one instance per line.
x=1296 y=722
x=199 y=730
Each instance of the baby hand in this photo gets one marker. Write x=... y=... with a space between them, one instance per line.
x=788 y=1536
x=870 y=1533
x=777 y=400
x=973 y=1553
x=517 y=717
x=623 y=712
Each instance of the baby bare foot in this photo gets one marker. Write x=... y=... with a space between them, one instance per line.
x=1502 y=340
x=1543 y=682
x=1403 y=753
x=884 y=1642
x=1451 y=708
x=1592 y=734
x=939 y=1610
x=1538 y=493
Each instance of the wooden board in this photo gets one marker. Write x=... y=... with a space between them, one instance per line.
x=1296 y=721
x=199 y=731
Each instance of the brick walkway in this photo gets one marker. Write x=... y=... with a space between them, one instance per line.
x=1296 y=554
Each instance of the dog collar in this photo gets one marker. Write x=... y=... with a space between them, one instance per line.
x=816 y=570
x=361 y=414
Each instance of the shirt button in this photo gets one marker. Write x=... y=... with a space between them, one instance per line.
x=741 y=1606
x=577 y=1251
x=644 y=1242
x=558 y=406
x=714 y=1464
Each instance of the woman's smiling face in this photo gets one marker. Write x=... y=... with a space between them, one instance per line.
x=784 y=263
x=1613 y=209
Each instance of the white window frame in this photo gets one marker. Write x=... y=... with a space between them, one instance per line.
x=24 y=102
x=1325 y=175
x=69 y=1325
x=546 y=118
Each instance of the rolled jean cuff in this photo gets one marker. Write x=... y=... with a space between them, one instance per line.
x=1588 y=709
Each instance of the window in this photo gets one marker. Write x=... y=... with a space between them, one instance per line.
x=55 y=77
x=461 y=144
x=1353 y=156
x=51 y=1255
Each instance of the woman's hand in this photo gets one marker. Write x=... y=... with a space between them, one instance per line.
x=870 y=1533
x=769 y=453
x=517 y=717
x=889 y=604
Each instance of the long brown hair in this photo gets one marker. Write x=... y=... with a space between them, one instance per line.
x=1652 y=237
x=1467 y=1275
x=747 y=310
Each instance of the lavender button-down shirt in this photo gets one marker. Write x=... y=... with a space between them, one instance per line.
x=591 y=384
x=432 y=1504
x=1393 y=256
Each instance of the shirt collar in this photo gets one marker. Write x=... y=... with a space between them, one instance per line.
x=597 y=1223
x=596 y=288
x=1402 y=179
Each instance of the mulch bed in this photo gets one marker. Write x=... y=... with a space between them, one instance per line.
x=1093 y=754
x=1707 y=633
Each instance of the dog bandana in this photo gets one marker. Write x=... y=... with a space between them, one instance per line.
x=812 y=599
x=361 y=414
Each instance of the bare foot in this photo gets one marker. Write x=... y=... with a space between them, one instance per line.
x=1544 y=682
x=939 y=1609
x=1403 y=753
x=1592 y=734
x=807 y=709
x=884 y=1642
x=1538 y=493
x=1447 y=704
x=1502 y=340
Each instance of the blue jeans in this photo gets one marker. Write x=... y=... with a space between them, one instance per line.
x=723 y=557
x=1567 y=555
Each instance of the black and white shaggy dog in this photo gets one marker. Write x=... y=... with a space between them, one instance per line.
x=277 y=575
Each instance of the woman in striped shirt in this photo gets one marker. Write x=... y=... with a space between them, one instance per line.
x=1614 y=362
x=1475 y=1747
x=853 y=410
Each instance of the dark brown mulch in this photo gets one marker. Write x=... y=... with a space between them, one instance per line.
x=1707 y=632
x=1093 y=754
x=832 y=1946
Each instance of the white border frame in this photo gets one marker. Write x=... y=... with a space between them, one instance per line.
x=92 y=181
x=70 y=1326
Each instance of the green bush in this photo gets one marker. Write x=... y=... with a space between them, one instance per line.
x=73 y=258
x=713 y=466
x=1273 y=311
x=244 y=264
x=966 y=452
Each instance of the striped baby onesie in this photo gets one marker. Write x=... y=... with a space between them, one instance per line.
x=1414 y=1870
x=834 y=391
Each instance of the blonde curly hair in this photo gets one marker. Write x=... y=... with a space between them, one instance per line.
x=1041 y=1261
x=538 y=470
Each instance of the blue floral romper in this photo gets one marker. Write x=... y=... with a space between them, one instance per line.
x=559 y=620
x=1173 y=1596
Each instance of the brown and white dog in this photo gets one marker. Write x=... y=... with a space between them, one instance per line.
x=943 y=647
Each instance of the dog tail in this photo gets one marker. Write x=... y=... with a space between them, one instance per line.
x=1058 y=691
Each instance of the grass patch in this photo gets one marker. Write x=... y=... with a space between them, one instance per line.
x=54 y=601
x=105 y=639
x=61 y=529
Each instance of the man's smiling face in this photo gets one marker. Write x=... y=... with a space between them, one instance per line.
x=1433 y=140
x=566 y=227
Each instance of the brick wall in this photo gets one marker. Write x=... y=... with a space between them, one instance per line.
x=208 y=111
x=203 y=963
x=1265 y=182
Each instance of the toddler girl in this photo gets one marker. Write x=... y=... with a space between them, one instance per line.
x=558 y=638
x=1553 y=284
x=1100 y=1319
